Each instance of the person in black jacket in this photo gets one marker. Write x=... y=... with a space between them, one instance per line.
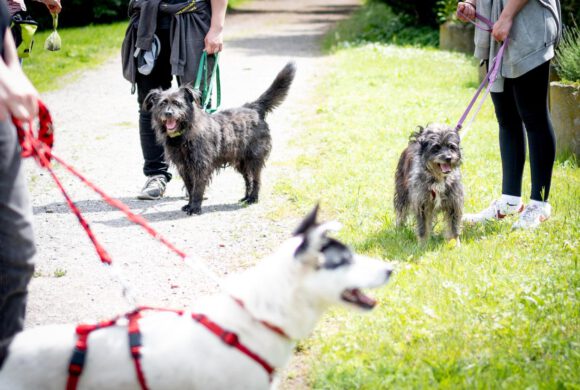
x=177 y=32
x=18 y=98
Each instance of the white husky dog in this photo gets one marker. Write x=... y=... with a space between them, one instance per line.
x=239 y=342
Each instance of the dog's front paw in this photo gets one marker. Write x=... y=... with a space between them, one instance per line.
x=191 y=209
x=249 y=200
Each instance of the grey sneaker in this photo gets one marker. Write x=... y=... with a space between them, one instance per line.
x=533 y=216
x=154 y=188
x=497 y=210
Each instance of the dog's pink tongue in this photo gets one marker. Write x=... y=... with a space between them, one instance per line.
x=445 y=168
x=171 y=124
x=366 y=299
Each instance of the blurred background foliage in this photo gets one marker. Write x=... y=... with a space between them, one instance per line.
x=421 y=12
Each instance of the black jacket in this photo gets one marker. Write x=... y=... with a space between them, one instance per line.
x=188 y=30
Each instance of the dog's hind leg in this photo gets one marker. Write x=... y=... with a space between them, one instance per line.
x=401 y=203
x=247 y=175
x=256 y=171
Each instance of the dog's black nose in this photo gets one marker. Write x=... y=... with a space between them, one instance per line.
x=448 y=159
x=168 y=114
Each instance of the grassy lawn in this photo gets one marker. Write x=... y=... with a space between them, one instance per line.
x=501 y=311
x=82 y=48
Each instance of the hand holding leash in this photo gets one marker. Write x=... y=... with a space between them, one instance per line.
x=466 y=11
x=39 y=146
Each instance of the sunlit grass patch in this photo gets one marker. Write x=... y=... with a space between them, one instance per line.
x=500 y=311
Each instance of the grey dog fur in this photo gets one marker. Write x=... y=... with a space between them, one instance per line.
x=421 y=187
x=237 y=137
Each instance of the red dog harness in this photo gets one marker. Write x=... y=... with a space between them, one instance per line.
x=83 y=331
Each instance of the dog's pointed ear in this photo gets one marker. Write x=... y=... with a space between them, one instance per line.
x=151 y=99
x=308 y=222
x=191 y=95
x=313 y=236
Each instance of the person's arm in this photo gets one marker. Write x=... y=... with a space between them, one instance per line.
x=466 y=10
x=502 y=27
x=53 y=5
x=214 y=39
x=15 y=6
x=18 y=97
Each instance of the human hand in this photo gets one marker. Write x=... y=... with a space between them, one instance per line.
x=53 y=6
x=214 y=41
x=501 y=28
x=18 y=97
x=465 y=11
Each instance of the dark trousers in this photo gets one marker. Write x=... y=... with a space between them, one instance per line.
x=16 y=239
x=522 y=108
x=160 y=77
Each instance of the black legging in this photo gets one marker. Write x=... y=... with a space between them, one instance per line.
x=524 y=102
x=160 y=77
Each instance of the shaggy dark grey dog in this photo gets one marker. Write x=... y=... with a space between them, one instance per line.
x=428 y=180
x=198 y=143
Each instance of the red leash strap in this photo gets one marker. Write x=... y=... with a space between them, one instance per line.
x=40 y=149
x=231 y=339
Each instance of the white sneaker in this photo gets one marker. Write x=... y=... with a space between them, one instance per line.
x=533 y=216
x=497 y=210
x=154 y=188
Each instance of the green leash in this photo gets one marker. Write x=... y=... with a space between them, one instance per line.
x=205 y=87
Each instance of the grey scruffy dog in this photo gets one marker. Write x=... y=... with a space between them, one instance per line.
x=198 y=143
x=428 y=180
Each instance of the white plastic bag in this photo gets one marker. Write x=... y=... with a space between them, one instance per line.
x=53 y=42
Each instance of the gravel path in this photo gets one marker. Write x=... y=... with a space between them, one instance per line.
x=96 y=122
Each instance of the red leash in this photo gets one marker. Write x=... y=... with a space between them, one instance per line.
x=41 y=149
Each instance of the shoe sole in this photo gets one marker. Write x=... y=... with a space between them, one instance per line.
x=499 y=217
x=148 y=197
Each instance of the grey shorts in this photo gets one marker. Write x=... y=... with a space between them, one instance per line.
x=16 y=236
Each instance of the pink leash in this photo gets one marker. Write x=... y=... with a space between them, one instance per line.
x=489 y=78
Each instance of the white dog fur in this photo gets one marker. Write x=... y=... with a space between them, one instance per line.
x=290 y=289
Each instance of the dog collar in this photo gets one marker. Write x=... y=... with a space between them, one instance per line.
x=175 y=135
x=276 y=329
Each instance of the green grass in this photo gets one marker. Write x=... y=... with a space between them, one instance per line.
x=82 y=48
x=501 y=311
x=376 y=22
x=233 y=4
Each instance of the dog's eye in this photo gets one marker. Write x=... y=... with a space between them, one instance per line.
x=452 y=146
x=436 y=148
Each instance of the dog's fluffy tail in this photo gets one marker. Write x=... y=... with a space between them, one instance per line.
x=276 y=93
